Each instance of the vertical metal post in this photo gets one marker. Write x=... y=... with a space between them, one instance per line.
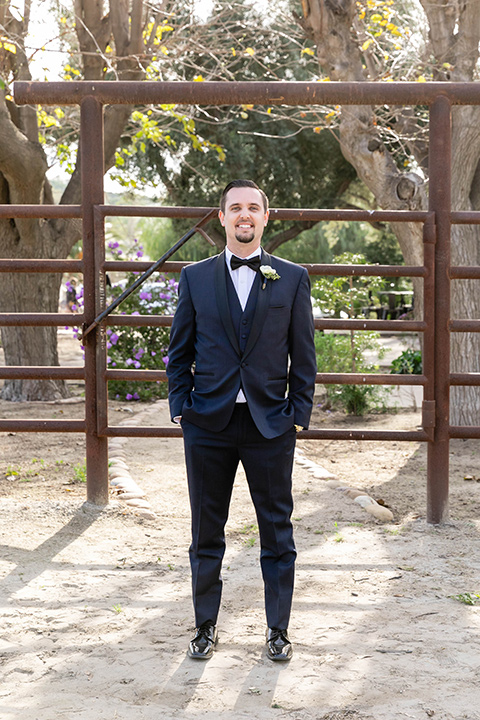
x=92 y=169
x=428 y=345
x=101 y=297
x=440 y=163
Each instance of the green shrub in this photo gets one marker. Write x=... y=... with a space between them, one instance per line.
x=409 y=362
x=143 y=348
x=136 y=348
x=345 y=353
x=334 y=355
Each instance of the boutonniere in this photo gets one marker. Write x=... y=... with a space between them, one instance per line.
x=269 y=273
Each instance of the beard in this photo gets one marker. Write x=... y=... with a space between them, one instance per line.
x=245 y=237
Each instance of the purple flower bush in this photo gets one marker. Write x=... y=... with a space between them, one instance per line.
x=138 y=348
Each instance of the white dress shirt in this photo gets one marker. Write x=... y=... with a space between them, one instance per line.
x=242 y=277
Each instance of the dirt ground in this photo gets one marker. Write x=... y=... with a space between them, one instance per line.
x=96 y=610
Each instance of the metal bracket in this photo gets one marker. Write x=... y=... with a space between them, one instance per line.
x=428 y=413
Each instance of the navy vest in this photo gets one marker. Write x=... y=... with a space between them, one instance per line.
x=242 y=320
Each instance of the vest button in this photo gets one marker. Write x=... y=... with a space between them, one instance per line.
x=244 y=322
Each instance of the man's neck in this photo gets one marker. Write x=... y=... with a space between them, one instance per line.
x=243 y=251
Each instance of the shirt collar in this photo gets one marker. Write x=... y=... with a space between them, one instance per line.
x=228 y=254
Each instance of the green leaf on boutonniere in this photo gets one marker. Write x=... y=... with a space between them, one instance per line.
x=269 y=273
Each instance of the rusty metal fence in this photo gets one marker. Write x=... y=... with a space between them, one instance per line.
x=436 y=270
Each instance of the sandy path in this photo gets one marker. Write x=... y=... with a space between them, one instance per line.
x=96 y=610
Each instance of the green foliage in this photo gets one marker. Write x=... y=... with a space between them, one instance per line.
x=348 y=295
x=311 y=246
x=345 y=353
x=295 y=166
x=136 y=348
x=334 y=355
x=321 y=243
x=141 y=347
x=80 y=472
x=145 y=129
x=467 y=598
x=409 y=362
x=159 y=234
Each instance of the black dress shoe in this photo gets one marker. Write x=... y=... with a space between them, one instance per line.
x=203 y=644
x=278 y=645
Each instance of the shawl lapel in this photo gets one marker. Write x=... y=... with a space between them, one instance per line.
x=261 y=309
x=222 y=301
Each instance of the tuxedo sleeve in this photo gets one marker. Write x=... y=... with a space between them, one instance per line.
x=303 y=363
x=181 y=351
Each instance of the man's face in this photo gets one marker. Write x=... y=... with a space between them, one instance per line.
x=244 y=220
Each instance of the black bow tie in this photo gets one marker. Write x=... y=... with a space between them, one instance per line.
x=253 y=263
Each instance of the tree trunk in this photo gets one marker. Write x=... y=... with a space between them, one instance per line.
x=465 y=250
x=23 y=168
x=465 y=347
x=29 y=292
x=454 y=31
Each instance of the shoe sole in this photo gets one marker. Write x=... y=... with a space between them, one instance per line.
x=199 y=657
x=279 y=658
x=196 y=656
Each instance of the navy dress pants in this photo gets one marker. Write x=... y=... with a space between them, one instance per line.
x=212 y=459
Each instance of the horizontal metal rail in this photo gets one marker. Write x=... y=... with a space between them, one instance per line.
x=465 y=432
x=313 y=269
x=465 y=325
x=43 y=426
x=13 y=372
x=471 y=378
x=40 y=211
x=41 y=266
x=40 y=319
x=41 y=372
x=320 y=323
x=178 y=211
x=377 y=325
x=369 y=379
x=321 y=378
x=465 y=273
x=240 y=93
x=324 y=434
x=294 y=214
x=383 y=435
x=366 y=270
x=465 y=217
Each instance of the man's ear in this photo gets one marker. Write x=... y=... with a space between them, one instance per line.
x=221 y=217
x=267 y=215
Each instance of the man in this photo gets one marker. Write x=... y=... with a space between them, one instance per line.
x=242 y=334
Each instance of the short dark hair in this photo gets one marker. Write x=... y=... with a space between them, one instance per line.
x=242 y=183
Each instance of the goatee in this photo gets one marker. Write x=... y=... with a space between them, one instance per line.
x=244 y=238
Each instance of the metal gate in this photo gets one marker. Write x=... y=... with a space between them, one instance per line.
x=436 y=270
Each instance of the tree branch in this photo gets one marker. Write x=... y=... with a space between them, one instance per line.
x=285 y=235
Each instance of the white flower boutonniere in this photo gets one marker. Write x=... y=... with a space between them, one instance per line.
x=269 y=273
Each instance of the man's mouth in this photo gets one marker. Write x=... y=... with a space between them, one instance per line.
x=244 y=232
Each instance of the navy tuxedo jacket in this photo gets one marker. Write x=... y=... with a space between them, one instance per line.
x=267 y=350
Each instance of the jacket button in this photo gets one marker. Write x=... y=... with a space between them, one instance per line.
x=244 y=364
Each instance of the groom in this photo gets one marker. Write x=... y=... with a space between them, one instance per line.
x=241 y=376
